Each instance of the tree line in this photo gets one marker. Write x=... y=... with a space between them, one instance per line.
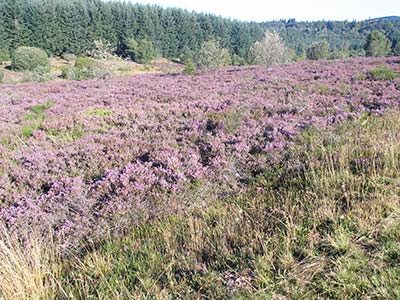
x=74 y=26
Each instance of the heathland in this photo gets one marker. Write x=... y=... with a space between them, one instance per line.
x=241 y=183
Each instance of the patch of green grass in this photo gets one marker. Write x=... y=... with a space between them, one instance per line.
x=382 y=73
x=322 y=89
x=66 y=136
x=99 y=112
x=360 y=77
x=34 y=119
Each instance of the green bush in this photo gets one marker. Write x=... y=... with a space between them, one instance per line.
x=68 y=56
x=237 y=60
x=381 y=73
x=338 y=55
x=29 y=58
x=356 y=53
x=82 y=63
x=190 y=68
x=70 y=73
x=1 y=76
x=142 y=51
x=87 y=68
x=211 y=56
x=318 y=51
x=39 y=74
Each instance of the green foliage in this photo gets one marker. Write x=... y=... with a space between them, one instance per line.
x=377 y=44
x=190 y=68
x=396 y=49
x=66 y=136
x=68 y=56
x=4 y=56
x=381 y=73
x=211 y=56
x=82 y=63
x=1 y=76
x=237 y=60
x=318 y=51
x=73 y=26
x=142 y=51
x=39 y=74
x=29 y=58
x=87 y=68
x=338 y=55
x=34 y=119
x=100 y=112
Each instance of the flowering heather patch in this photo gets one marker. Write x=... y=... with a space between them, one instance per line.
x=106 y=154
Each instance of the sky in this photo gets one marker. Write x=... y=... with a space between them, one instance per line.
x=301 y=10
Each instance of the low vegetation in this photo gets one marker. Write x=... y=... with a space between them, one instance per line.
x=382 y=73
x=323 y=223
x=29 y=58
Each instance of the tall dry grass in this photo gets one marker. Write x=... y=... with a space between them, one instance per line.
x=29 y=267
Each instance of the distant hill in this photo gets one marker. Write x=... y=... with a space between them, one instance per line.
x=386 y=19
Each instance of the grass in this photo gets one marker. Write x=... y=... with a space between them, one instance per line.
x=382 y=73
x=57 y=65
x=99 y=112
x=28 y=270
x=34 y=119
x=66 y=136
x=322 y=224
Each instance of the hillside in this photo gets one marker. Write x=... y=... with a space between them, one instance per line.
x=384 y=19
x=244 y=183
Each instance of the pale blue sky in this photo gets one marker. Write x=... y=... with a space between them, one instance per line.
x=258 y=10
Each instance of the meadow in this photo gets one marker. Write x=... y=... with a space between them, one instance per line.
x=243 y=183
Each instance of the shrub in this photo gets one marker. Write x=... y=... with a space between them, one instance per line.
x=39 y=74
x=68 y=56
x=70 y=73
x=377 y=44
x=211 y=56
x=190 y=68
x=270 y=51
x=338 y=55
x=318 y=51
x=237 y=60
x=82 y=63
x=381 y=73
x=356 y=53
x=29 y=58
x=1 y=76
x=87 y=68
x=142 y=51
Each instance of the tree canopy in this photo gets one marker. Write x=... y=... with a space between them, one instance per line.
x=73 y=26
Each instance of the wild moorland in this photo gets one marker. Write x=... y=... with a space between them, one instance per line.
x=242 y=183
